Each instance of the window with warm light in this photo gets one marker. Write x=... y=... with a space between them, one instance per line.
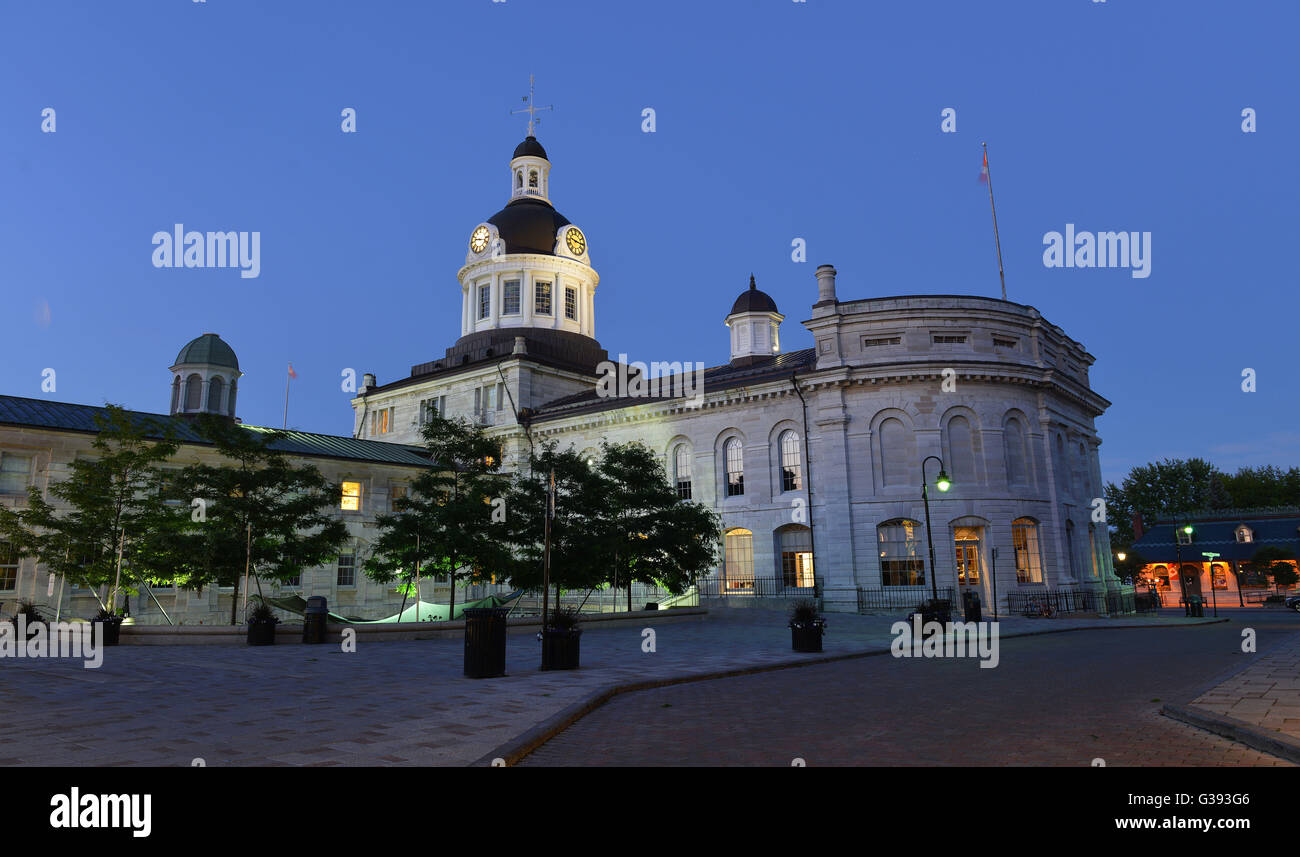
x=1029 y=559
x=351 y=497
x=901 y=562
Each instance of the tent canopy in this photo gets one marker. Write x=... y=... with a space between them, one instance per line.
x=424 y=611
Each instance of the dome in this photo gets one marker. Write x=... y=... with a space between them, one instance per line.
x=529 y=147
x=752 y=300
x=529 y=225
x=210 y=349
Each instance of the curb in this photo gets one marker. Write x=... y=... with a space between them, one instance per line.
x=520 y=746
x=1273 y=743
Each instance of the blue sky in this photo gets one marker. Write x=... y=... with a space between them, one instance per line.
x=775 y=120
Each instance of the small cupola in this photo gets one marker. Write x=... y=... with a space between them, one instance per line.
x=530 y=171
x=205 y=378
x=755 y=326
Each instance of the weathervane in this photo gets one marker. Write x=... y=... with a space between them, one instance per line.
x=530 y=109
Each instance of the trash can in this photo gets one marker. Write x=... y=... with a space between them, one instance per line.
x=970 y=602
x=485 y=642
x=313 y=620
x=1196 y=607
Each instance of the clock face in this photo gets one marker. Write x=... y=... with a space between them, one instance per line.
x=576 y=240
x=479 y=240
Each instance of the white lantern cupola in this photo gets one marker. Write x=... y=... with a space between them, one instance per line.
x=755 y=326
x=205 y=378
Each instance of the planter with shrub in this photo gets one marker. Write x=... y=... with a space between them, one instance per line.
x=560 y=640
x=806 y=627
x=261 y=625
x=33 y=617
x=112 y=626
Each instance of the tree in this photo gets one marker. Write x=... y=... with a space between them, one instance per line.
x=1262 y=487
x=113 y=508
x=446 y=522
x=261 y=512
x=1158 y=490
x=645 y=533
x=1271 y=562
x=575 y=564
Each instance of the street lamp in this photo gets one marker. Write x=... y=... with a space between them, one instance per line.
x=1214 y=598
x=943 y=483
x=1178 y=557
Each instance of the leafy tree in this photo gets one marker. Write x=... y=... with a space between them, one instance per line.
x=1270 y=562
x=1260 y=487
x=577 y=512
x=445 y=524
x=644 y=532
x=110 y=508
x=1158 y=490
x=286 y=509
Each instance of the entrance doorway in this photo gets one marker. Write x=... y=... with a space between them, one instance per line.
x=1192 y=580
x=966 y=544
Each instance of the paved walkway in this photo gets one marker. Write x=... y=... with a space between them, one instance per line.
x=398 y=703
x=1266 y=695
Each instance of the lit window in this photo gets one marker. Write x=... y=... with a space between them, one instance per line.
x=351 y=497
x=396 y=495
x=791 y=467
x=796 y=557
x=1245 y=535
x=542 y=294
x=735 y=459
x=1029 y=560
x=738 y=562
x=510 y=298
x=901 y=563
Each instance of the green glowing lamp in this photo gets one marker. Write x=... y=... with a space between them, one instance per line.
x=943 y=483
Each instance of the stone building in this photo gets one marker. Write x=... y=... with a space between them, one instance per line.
x=812 y=457
x=39 y=439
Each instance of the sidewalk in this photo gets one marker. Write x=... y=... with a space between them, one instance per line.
x=389 y=703
x=1259 y=706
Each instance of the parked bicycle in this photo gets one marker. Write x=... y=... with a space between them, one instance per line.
x=1036 y=608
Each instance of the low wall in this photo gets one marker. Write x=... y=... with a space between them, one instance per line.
x=206 y=635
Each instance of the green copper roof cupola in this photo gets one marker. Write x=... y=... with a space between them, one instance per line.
x=205 y=378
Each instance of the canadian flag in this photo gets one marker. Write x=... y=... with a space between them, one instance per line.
x=984 y=170
x=292 y=374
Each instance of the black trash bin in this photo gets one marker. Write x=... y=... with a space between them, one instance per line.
x=1196 y=607
x=970 y=602
x=313 y=620
x=485 y=642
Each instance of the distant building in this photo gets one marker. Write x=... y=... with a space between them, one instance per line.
x=1233 y=534
x=39 y=440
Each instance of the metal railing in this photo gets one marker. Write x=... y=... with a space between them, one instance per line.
x=899 y=598
x=757 y=587
x=1072 y=600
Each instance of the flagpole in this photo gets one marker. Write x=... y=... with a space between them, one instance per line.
x=996 y=240
x=289 y=375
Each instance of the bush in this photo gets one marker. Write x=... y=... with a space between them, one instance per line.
x=28 y=609
x=262 y=614
x=803 y=614
x=563 y=619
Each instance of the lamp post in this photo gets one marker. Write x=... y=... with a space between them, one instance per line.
x=943 y=483
x=1214 y=598
x=1178 y=558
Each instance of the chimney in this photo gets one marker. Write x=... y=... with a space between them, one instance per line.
x=367 y=381
x=826 y=285
x=1137 y=525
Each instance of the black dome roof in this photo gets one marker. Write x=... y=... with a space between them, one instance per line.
x=529 y=225
x=752 y=300
x=529 y=146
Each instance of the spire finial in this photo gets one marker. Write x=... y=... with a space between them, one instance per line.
x=751 y=282
x=530 y=109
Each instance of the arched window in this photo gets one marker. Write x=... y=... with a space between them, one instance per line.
x=901 y=562
x=897 y=452
x=1013 y=441
x=735 y=459
x=234 y=385
x=519 y=178
x=1244 y=534
x=176 y=393
x=794 y=543
x=791 y=462
x=682 y=470
x=215 y=388
x=532 y=179
x=1161 y=574
x=193 y=393
x=961 y=451
x=738 y=560
x=1029 y=558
